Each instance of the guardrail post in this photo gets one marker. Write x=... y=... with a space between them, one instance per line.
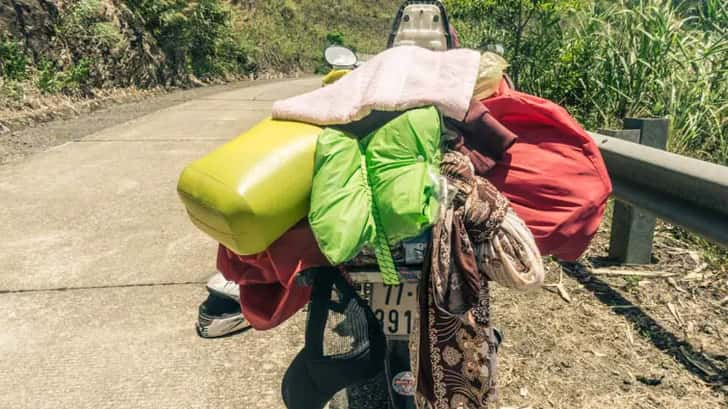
x=633 y=229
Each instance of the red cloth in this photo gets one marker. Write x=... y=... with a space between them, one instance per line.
x=268 y=292
x=554 y=174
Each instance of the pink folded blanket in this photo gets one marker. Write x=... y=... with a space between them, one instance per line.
x=397 y=79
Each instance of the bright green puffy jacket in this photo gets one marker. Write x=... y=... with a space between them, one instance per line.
x=378 y=190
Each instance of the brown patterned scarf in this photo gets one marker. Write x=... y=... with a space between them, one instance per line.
x=453 y=347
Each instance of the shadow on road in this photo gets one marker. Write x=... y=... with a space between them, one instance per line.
x=698 y=363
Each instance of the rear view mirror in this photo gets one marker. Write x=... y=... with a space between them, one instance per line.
x=339 y=56
x=495 y=48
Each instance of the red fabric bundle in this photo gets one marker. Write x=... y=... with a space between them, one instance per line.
x=554 y=174
x=268 y=292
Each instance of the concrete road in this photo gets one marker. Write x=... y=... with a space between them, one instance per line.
x=101 y=273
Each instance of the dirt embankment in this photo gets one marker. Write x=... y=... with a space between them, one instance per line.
x=61 y=58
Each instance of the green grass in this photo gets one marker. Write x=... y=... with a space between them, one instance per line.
x=13 y=60
x=290 y=35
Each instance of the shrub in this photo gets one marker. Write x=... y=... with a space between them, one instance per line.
x=13 y=61
x=12 y=90
x=335 y=37
x=49 y=81
x=52 y=79
x=196 y=37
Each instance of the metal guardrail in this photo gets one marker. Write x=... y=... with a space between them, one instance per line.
x=687 y=192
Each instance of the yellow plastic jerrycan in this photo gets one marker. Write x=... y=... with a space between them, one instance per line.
x=250 y=191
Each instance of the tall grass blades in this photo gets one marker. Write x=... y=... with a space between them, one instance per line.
x=647 y=61
x=608 y=60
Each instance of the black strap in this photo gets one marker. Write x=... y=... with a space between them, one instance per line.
x=324 y=281
x=318 y=312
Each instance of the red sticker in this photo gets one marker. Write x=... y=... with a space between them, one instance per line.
x=404 y=384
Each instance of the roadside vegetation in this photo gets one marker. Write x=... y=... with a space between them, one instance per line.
x=608 y=60
x=82 y=49
x=602 y=60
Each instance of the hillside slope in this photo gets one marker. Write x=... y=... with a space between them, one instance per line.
x=291 y=34
x=102 y=43
x=57 y=53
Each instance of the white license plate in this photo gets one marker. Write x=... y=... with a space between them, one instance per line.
x=394 y=307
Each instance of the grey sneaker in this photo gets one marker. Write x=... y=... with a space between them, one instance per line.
x=221 y=287
x=220 y=317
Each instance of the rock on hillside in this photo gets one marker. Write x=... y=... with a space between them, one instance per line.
x=103 y=34
x=32 y=21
